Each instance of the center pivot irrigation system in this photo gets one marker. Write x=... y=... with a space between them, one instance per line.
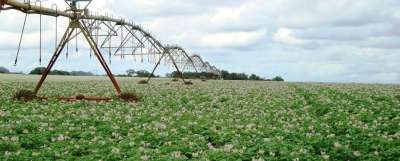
x=106 y=36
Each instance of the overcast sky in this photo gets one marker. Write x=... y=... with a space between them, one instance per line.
x=301 y=40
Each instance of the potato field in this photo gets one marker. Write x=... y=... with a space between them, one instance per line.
x=210 y=120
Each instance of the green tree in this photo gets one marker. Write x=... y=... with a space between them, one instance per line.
x=143 y=73
x=4 y=70
x=278 y=79
x=81 y=73
x=255 y=77
x=38 y=70
x=59 y=72
x=130 y=72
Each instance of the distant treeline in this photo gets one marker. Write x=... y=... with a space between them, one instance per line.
x=4 y=70
x=243 y=76
x=144 y=73
x=200 y=75
x=40 y=70
x=224 y=75
x=239 y=76
x=193 y=75
x=137 y=73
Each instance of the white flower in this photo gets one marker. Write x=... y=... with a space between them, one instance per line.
x=145 y=157
x=2 y=113
x=228 y=147
x=115 y=150
x=14 y=138
x=337 y=145
x=326 y=157
x=7 y=153
x=279 y=138
x=272 y=154
x=267 y=139
x=60 y=138
x=210 y=146
x=176 y=154
x=195 y=155
x=259 y=159
x=160 y=126
x=356 y=153
x=169 y=143
x=35 y=153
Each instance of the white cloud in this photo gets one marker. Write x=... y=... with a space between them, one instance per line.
x=284 y=35
x=226 y=15
x=11 y=39
x=233 y=39
x=347 y=40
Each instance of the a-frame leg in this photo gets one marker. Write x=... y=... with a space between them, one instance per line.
x=173 y=62
x=176 y=66
x=70 y=30
x=97 y=53
x=54 y=58
x=158 y=63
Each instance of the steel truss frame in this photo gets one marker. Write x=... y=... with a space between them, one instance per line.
x=116 y=37
x=204 y=66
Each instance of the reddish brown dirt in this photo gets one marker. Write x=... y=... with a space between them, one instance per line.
x=80 y=97
x=24 y=95
x=188 y=83
x=129 y=97
x=142 y=82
